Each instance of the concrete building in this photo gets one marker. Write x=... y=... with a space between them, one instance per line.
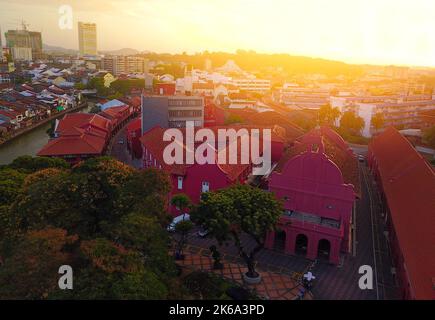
x=255 y=85
x=400 y=111
x=24 y=44
x=302 y=97
x=87 y=39
x=21 y=54
x=125 y=64
x=171 y=111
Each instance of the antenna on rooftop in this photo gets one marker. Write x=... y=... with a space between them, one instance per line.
x=24 y=25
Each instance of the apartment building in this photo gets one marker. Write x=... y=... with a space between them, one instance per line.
x=302 y=97
x=125 y=64
x=171 y=111
x=87 y=39
x=400 y=111
x=24 y=44
x=253 y=85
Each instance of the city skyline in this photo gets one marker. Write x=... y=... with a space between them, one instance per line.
x=389 y=33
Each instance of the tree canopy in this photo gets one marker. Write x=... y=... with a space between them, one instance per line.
x=230 y=213
x=351 y=123
x=105 y=219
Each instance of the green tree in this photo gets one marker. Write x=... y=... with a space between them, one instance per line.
x=233 y=118
x=351 y=123
x=328 y=114
x=29 y=164
x=429 y=137
x=378 y=121
x=11 y=181
x=241 y=209
x=119 y=249
x=182 y=229
x=30 y=271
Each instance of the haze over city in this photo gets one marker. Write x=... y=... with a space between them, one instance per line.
x=356 y=31
x=230 y=150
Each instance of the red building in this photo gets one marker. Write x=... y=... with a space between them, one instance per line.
x=195 y=178
x=133 y=132
x=79 y=136
x=318 y=197
x=118 y=116
x=213 y=115
x=407 y=184
x=165 y=89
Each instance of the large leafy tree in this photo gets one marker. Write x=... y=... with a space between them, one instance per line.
x=429 y=136
x=29 y=164
x=351 y=123
x=116 y=213
x=30 y=270
x=182 y=229
x=241 y=209
x=10 y=184
x=328 y=114
x=378 y=121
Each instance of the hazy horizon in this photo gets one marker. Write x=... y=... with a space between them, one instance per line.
x=354 y=31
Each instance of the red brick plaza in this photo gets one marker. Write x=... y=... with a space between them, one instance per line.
x=273 y=286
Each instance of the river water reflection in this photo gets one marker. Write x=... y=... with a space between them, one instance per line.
x=27 y=144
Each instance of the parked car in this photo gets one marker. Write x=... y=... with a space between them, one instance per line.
x=121 y=141
x=361 y=158
x=176 y=220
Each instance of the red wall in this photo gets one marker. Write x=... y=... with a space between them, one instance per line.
x=165 y=89
x=313 y=184
x=192 y=182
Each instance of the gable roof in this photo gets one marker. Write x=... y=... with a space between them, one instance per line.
x=409 y=186
x=334 y=147
x=74 y=144
x=153 y=141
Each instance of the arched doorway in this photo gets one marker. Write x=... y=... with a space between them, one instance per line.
x=323 y=250
x=301 y=244
x=279 y=241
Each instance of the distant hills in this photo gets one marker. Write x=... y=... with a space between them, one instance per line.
x=121 y=52
x=55 y=49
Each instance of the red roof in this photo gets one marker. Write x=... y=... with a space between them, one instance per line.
x=79 y=133
x=78 y=144
x=335 y=148
x=134 y=125
x=153 y=141
x=115 y=112
x=409 y=186
x=92 y=122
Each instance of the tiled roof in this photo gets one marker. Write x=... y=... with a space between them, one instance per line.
x=409 y=186
x=84 y=121
x=336 y=150
x=77 y=144
x=114 y=112
x=153 y=141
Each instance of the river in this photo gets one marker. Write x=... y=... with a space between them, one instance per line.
x=27 y=144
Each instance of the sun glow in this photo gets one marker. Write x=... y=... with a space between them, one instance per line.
x=356 y=31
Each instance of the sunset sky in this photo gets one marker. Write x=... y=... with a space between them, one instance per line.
x=356 y=31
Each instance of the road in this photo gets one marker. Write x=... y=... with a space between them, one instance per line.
x=120 y=152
